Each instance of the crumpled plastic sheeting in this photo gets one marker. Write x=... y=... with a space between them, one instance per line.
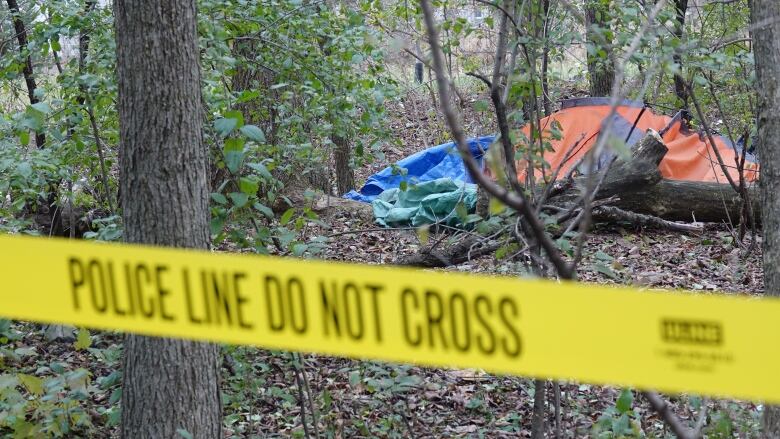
x=429 y=202
x=442 y=161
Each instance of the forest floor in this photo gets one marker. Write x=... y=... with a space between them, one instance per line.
x=263 y=390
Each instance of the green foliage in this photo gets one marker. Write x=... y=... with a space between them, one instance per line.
x=620 y=421
x=43 y=398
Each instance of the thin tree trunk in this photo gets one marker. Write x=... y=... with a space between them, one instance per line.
x=679 y=30
x=766 y=38
x=537 y=420
x=168 y=385
x=546 y=101
x=345 y=174
x=27 y=70
x=601 y=65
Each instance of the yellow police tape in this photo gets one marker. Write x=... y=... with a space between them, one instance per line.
x=707 y=344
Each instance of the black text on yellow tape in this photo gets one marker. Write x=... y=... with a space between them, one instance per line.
x=714 y=345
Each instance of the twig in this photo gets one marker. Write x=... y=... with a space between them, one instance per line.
x=516 y=201
x=670 y=417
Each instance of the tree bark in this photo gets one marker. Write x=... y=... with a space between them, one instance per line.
x=688 y=200
x=345 y=174
x=168 y=385
x=681 y=6
x=601 y=67
x=766 y=47
x=27 y=70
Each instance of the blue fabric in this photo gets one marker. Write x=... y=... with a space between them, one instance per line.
x=430 y=164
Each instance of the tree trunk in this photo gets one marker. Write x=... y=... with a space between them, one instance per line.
x=168 y=385
x=679 y=31
x=601 y=66
x=537 y=419
x=546 y=100
x=766 y=40
x=345 y=174
x=27 y=71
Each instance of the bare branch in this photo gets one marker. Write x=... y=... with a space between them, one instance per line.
x=515 y=200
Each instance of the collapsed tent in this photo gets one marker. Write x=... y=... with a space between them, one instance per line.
x=571 y=132
x=442 y=161
x=689 y=158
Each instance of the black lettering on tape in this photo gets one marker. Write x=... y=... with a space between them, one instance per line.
x=375 y=290
x=405 y=295
x=112 y=285
x=483 y=310
x=188 y=297
x=98 y=294
x=330 y=308
x=301 y=325
x=275 y=320
x=354 y=314
x=162 y=292
x=220 y=289
x=130 y=288
x=241 y=300
x=435 y=317
x=76 y=271
x=139 y=292
x=512 y=344
x=459 y=318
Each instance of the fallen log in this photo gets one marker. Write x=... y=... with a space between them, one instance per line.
x=638 y=187
x=690 y=201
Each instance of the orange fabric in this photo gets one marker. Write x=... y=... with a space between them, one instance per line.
x=689 y=158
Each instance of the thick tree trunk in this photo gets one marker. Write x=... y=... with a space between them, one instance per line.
x=766 y=40
x=601 y=65
x=168 y=385
x=27 y=70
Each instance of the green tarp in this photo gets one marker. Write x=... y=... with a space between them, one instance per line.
x=435 y=201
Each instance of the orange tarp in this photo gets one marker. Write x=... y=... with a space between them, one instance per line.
x=690 y=156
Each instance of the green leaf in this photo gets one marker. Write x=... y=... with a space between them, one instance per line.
x=32 y=383
x=239 y=199
x=233 y=145
x=603 y=256
x=41 y=107
x=233 y=161
x=237 y=115
x=354 y=378
x=624 y=401
x=462 y=211
x=249 y=186
x=261 y=170
x=216 y=224
x=7 y=381
x=24 y=137
x=219 y=198
x=83 y=341
x=184 y=433
x=603 y=269
x=225 y=126
x=287 y=216
x=423 y=233
x=24 y=169
x=299 y=249
x=253 y=132
x=116 y=395
x=265 y=210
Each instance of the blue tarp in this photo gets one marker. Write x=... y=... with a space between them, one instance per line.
x=440 y=161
